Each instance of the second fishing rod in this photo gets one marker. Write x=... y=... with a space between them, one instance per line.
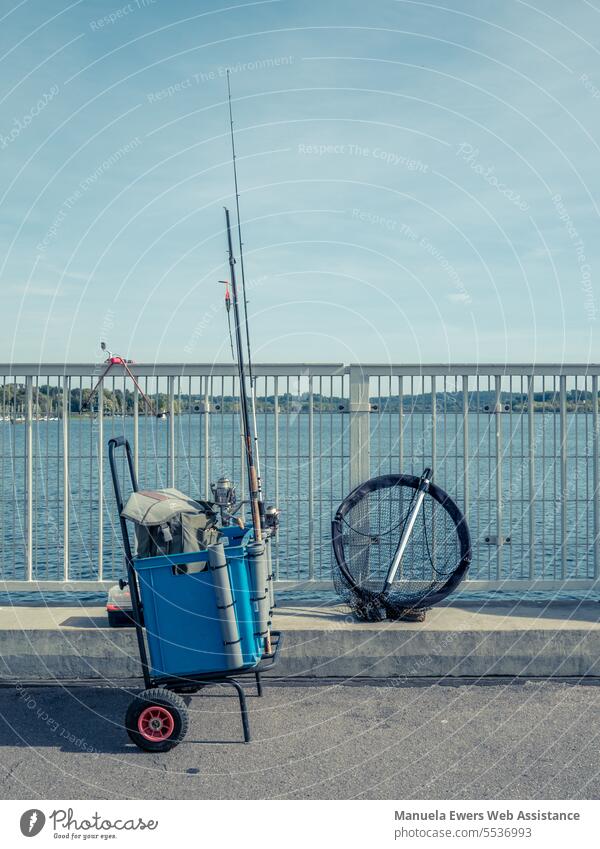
x=257 y=552
x=248 y=435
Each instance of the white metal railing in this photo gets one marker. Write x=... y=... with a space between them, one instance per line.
x=517 y=445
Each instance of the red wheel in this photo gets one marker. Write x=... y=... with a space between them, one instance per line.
x=156 y=723
x=157 y=720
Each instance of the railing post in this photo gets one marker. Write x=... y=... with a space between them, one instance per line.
x=596 y=476
x=360 y=450
x=29 y=478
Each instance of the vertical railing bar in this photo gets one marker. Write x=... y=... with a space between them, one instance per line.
x=145 y=427
x=522 y=460
x=465 y=393
x=276 y=461
x=320 y=483
x=400 y=422
x=28 y=478
x=287 y=470
x=240 y=450
x=8 y=460
x=575 y=528
x=38 y=468
x=563 y=475
x=38 y=418
x=190 y=448
x=596 y=475
x=234 y=438
x=177 y=427
x=378 y=427
x=206 y=422
x=161 y=463
x=498 y=422
x=14 y=476
x=299 y=455
x=389 y=424
x=171 y=432
x=556 y=446
x=311 y=483
x=544 y=477
x=531 y=483
x=444 y=421
x=90 y=468
x=587 y=464
x=433 y=427
x=412 y=417
x=477 y=460
x=66 y=420
x=101 y=481
x=423 y=449
x=332 y=427
x=3 y=462
x=136 y=434
x=510 y=469
x=265 y=436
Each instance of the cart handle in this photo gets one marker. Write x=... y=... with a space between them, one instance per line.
x=120 y=442
x=113 y=443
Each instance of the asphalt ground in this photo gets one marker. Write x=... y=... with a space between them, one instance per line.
x=385 y=740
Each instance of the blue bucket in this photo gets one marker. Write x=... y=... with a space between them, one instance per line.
x=181 y=617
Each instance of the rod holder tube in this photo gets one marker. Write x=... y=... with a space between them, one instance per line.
x=257 y=562
x=232 y=644
x=270 y=573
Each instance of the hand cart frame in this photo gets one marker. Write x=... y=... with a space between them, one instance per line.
x=187 y=685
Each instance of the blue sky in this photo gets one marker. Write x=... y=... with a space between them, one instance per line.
x=419 y=181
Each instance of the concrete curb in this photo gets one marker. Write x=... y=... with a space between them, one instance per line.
x=509 y=640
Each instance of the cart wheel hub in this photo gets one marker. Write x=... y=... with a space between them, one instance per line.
x=156 y=723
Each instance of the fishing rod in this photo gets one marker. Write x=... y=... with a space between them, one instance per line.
x=244 y=296
x=255 y=495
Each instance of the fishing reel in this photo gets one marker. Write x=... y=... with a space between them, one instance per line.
x=224 y=497
x=272 y=515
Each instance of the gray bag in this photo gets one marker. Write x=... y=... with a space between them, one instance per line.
x=169 y=522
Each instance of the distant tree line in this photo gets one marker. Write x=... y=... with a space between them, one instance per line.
x=48 y=402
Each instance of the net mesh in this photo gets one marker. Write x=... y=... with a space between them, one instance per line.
x=371 y=531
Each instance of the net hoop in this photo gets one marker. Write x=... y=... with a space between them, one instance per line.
x=438 y=494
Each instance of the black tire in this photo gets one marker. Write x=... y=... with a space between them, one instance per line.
x=158 y=714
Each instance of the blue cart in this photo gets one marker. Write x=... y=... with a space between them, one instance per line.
x=197 y=620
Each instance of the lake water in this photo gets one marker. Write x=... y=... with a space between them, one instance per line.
x=289 y=477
